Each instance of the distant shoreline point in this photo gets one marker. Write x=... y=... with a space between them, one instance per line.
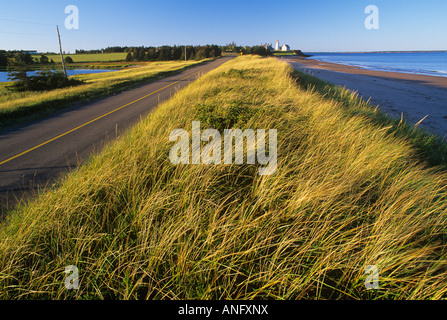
x=291 y=53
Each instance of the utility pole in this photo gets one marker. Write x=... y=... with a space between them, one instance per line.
x=185 y=52
x=62 y=55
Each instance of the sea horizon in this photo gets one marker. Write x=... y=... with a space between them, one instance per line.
x=432 y=63
x=379 y=51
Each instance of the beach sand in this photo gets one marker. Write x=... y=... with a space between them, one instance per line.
x=414 y=96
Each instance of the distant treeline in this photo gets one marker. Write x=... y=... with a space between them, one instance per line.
x=234 y=48
x=162 y=53
x=178 y=52
x=259 y=50
x=105 y=50
x=166 y=53
x=14 y=58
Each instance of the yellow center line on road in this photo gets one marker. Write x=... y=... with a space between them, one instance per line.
x=96 y=119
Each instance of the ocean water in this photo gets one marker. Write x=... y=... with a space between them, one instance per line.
x=4 y=74
x=426 y=63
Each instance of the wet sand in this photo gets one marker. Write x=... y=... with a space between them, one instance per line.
x=414 y=96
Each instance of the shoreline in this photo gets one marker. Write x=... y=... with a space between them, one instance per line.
x=413 y=95
x=437 y=81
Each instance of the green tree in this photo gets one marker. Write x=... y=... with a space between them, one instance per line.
x=165 y=53
x=260 y=50
x=141 y=54
x=22 y=58
x=44 y=60
x=151 y=54
x=3 y=59
x=17 y=73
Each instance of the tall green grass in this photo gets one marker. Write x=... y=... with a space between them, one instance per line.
x=347 y=193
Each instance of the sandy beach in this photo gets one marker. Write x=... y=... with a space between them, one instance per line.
x=414 y=96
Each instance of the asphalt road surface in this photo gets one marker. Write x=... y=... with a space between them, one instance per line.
x=35 y=154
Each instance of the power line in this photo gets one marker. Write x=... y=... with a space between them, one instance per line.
x=77 y=30
x=110 y=37
x=30 y=22
x=30 y=34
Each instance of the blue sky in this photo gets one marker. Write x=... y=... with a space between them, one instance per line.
x=310 y=25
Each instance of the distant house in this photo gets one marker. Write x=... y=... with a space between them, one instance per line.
x=269 y=47
x=30 y=51
x=285 y=48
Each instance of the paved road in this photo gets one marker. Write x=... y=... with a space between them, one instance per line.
x=33 y=155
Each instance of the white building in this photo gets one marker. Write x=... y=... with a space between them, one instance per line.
x=285 y=48
x=277 y=45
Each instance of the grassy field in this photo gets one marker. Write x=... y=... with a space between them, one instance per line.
x=353 y=188
x=97 y=57
x=284 y=53
x=19 y=106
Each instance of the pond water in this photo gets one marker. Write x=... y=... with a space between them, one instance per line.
x=4 y=74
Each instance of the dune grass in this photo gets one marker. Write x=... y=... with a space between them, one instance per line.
x=348 y=192
x=16 y=107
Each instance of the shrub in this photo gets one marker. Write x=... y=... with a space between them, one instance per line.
x=44 y=59
x=233 y=115
x=45 y=80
